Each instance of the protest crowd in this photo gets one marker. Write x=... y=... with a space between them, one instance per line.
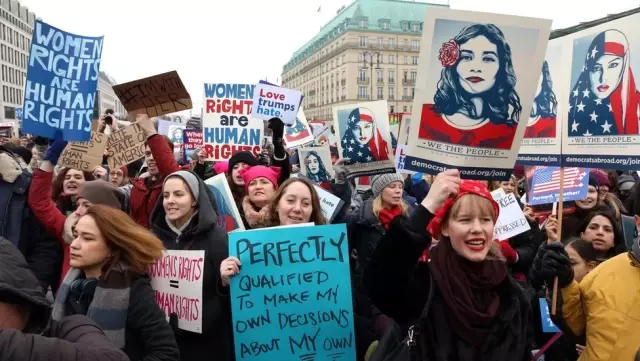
x=307 y=240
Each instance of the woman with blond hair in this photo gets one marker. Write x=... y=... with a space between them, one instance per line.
x=107 y=282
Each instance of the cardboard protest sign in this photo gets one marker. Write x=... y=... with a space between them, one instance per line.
x=600 y=126
x=299 y=133
x=155 y=96
x=543 y=136
x=126 y=146
x=60 y=89
x=511 y=221
x=315 y=164
x=84 y=156
x=229 y=215
x=274 y=101
x=476 y=81
x=544 y=184
x=290 y=275
x=191 y=140
x=228 y=127
x=363 y=129
x=547 y=325
x=176 y=279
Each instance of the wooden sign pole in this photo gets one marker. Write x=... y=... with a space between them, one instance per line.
x=554 y=295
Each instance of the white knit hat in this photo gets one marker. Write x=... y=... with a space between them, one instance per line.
x=380 y=182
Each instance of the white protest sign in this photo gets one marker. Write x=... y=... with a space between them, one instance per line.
x=511 y=221
x=329 y=203
x=272 y=101
x=176 y=279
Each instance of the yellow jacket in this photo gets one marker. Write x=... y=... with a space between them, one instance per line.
x=605 y=306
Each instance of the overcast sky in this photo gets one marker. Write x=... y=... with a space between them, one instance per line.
x=240 y=40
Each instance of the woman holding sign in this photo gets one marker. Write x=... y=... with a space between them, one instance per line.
x=463 y=301
x=185 y=218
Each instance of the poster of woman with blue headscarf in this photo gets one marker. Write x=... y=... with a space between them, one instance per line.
x=299 y=133
x=365 y=139
x=477 y=78
x=316 y=164
x=603 y=99
x=228 y=214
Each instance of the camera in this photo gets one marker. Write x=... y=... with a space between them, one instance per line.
x=108 y=119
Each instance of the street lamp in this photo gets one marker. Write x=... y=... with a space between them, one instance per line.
x=370 y=55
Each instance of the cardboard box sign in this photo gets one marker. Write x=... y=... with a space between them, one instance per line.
x=126 y=146
x=155 y=96
x=84 y=156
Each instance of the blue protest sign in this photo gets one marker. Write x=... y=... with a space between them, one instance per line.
x=547 y=325
x=292 y=299
x=62 y=77
x=544 y=184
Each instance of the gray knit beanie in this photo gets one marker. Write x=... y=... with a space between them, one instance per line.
x=189 y=178
x=380 y=182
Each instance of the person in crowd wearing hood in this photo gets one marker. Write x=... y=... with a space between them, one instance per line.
x=24 y=312
x=52 y=218
x=603 y=306
x=107 y=281
x=143 y=193
x=477 y=311
x=416 y=186
x=627 y=187
x=185 y=218
x=260 y=183
x=119 y=177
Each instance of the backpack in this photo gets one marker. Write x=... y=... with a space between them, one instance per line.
x=397 y=345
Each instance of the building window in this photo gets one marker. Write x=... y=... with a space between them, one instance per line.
x=414 y=75
x=405 y=75
x=362 y=75
x=391 y=109
x=380 y=93
x=404 y=108
x=404 y=92
x=392 y=43
x=363 y=41
x=364 y=24
x=416 y=28
x=392 y=93
x=415 y=44
x=406 y=59
x=392 y=59
x=379 y=76
x=392 y=76
x=385 y=25
x=361 y=57
x=414 y=60
x=362 y=92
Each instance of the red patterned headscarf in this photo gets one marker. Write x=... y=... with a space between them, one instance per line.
x=466 y=187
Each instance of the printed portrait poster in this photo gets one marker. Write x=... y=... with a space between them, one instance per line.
x=476 y=83
x=315 y=164
x=322 y=134
x=174 y=131
x=543 y=137
x=59 y=97
x=227 y=125
x=299 y=133
x=363 y=133
x=229 y=215
x=601 y=129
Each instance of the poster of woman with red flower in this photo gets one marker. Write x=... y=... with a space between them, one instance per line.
x=473 y=90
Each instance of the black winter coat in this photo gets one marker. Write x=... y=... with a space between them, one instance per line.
x=74 y=338
x=203 y=233
x=398 y=285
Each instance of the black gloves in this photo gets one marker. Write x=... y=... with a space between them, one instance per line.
x=41 y=141
x=556 y=263
x=535 y=276
x=277 y=127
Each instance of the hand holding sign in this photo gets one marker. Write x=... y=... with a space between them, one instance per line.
x=229 y=268
x=146 y=124
x=552 y=229
x=445 y=185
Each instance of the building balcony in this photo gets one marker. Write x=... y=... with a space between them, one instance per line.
x=344 y=97
x=380 y=81
x=391 y=97
x=363 y=81
x=407 y=98
x=312 y=93
x=408 y=82
x=363 y=97
x=409 y=48
x=353 y=44
x=380 y=97
x=343 y=82
x=392 y=81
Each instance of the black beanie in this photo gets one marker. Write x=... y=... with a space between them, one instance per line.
x=242 y=157
x=593 y=181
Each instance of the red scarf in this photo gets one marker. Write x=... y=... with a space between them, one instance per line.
x=387 y=215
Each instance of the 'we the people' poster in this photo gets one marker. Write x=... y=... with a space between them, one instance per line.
x=543 y=136
x=601 y=126
x=60 y=89
x=227 y=126
x=364 y=138
x=477 y=79
x=292 y=299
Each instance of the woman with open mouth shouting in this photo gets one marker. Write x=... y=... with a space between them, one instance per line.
x=462 y=305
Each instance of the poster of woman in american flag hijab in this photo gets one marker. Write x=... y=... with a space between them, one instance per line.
x=602 y=125
x=365 y=138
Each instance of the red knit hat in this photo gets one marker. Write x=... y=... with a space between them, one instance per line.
x=260 y=171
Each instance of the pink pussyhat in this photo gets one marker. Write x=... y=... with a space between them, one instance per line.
x=260 y=171
x=221 y=167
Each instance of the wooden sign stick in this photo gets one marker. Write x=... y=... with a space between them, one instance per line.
x=554 y=295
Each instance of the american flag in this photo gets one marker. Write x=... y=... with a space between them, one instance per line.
x=548 y=179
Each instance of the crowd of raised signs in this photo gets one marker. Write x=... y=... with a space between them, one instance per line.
x=323 y=243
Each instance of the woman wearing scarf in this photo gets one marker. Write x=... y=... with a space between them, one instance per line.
x=478 y=312
x=108 y=283
x=260 y=184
